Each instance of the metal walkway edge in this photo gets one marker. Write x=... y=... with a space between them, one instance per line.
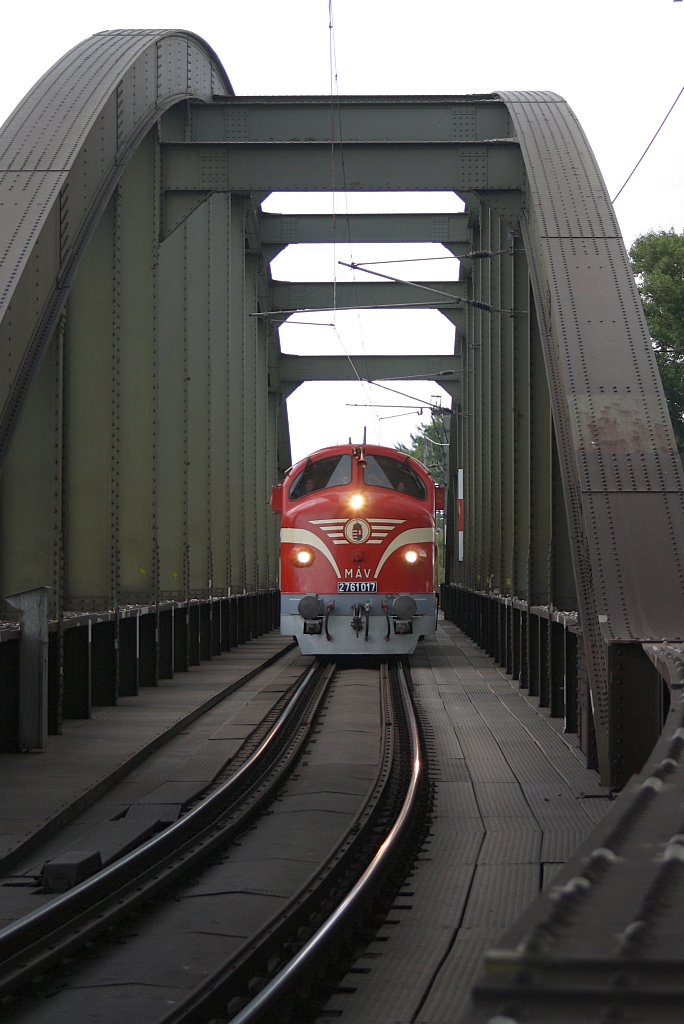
x=43 y=791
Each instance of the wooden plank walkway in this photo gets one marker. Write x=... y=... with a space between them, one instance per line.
x=43 y=791
x=510 y=806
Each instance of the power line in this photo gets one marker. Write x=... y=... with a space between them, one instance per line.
x=477 y=254
x=651 y=142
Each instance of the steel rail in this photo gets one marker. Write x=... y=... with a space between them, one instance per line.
x=33 y=942
x=230 y=977
x=288 y=978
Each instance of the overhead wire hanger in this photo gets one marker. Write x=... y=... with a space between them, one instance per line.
x=475 y=303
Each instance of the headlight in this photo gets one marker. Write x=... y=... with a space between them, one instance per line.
x=415 y=556
x=301 y=557
x=357 y=501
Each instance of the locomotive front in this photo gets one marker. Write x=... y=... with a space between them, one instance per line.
x=358 y=553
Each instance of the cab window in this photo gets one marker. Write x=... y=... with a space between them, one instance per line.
x=383 y=471
x=333 y=472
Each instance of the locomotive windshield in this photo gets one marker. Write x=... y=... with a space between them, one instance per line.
x=333 y=472
x=384 y=471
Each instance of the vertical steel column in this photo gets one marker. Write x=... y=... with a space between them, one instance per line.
x=251 y=412
x=88 y=424
x=172 y=397
x=136 y=242
x=129 y=656
x=236 y=394
x=104 y=663
x=181 y=633
x=166 y=644
x=205 y=630
x=587 y=734
x=194 y=654
x=540 y=510
x=147 y=649
x=508 y=421
x=33 y=667
x=563 y=594
x=487 y=401
x=199 y=412
x=635 y=710
x=557 y=669
x=521 y=448
x=468 y=572
x=226 y=626
x=235 y=628
x=262 y=510
x=216 y=628
x=219 y=335
x=76 y=701
x=496 y=558
x=272 y=470
x=571 y=690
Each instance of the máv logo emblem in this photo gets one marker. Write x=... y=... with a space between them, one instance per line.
x=357 y=531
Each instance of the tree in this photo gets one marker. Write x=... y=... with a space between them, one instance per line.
x=658 y=264
x=429 y=444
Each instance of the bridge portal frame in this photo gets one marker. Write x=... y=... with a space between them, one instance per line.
x=138 y=317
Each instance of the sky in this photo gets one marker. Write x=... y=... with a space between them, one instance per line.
x=617 y=62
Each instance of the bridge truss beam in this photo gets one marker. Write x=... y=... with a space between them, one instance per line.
x=296 y=370
x=365 y=166
x=286 y=229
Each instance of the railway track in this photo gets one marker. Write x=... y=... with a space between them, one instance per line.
x=334 y=737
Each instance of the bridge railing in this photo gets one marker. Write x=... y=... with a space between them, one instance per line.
x=94 y=658
x=539 y=646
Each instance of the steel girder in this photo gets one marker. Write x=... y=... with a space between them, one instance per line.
x=135 y=260
x=282 y=229
x=288 y=297
x=295 y=370
x=368 y=166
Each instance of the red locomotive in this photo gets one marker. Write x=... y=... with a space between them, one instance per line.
x=358 y=557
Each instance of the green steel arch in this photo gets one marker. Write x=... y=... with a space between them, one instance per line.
x=607 y=455
x=62 y=152
x=143 y=387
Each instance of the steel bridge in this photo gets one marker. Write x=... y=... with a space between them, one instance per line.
x=143 y=417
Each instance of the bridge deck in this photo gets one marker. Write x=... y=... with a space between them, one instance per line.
x=41 y=792
x=513 y=800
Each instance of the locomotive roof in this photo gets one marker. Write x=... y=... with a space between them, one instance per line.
x=348 y=449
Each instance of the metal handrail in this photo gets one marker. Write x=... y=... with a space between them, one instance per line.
x=287 y=977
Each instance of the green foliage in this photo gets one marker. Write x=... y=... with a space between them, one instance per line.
x=428 y=446
x=658 y=263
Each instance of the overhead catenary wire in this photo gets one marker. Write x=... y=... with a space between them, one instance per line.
x=335 y=95
x=426 y=405
x=283 y=314
x=660 y=126
x=399 y=415
x=308 y=323
x=476 y=254
x=475 y=303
